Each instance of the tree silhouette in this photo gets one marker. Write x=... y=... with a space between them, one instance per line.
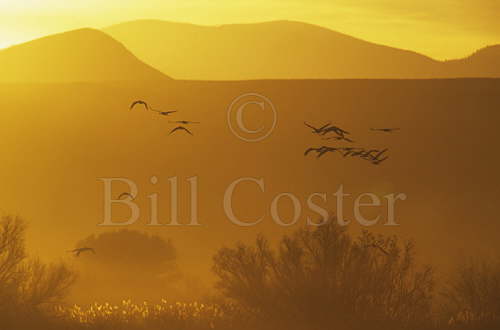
x=323 y=277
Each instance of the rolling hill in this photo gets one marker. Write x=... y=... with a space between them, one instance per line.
x=84 y=55
x=483 y=63
x=283 y=50
x=272 y=50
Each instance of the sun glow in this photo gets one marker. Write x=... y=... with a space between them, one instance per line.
x=449 y=30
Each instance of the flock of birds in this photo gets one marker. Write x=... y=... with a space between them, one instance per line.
x=180 y=123
x=375 y=156
x=180 y=127
x=78 y=251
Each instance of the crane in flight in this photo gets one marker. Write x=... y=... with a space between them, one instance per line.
x=81 y=250
x=386 y=130
x=321 y=150
x=180 y=128
x=337 y=130
x=166 y=113
x=325 y=150
x=318 y=150
x=185 y=122
x=139 y=102
x=317 y=130
x=378 y=161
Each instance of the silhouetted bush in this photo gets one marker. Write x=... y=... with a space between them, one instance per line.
x=119 y=250
x=126 y=263
x=323 y=277
x=316 y=278
x=473 y=296
x=27 y=286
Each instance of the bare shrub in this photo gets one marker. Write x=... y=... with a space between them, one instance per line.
x=322 y=277
x=473 y=295
x=26 y=285
x=45 y=284
x=12 y=255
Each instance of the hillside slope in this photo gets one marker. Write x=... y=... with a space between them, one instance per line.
x=84 y=55
x=483 y=63
x=272 y=50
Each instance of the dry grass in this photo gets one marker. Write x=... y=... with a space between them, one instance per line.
x=162 y=315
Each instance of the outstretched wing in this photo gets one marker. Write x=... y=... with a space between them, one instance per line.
x=309 y=150
x=342 y=131
x=325 y=126
x=166 y=113
x=378 y=161
x=185 y=122
x=311 y=127
x=82 y=250
x=139 y=102
x=388 y=130
x=180 y=128
x=324 y=151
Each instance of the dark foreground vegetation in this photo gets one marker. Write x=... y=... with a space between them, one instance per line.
x=317 y=278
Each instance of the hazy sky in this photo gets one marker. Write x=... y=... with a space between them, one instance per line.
x=441 y=29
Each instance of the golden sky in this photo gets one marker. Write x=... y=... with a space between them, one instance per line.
x=442 y=29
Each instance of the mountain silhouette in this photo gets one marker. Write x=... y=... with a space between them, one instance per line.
x=272 y=50
x=84 y=55
x=483 y=63
x=284 y=50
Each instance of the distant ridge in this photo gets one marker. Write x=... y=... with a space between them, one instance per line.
x=279 y=49
x=282 y=50
x=84 y=55
x=483 y=63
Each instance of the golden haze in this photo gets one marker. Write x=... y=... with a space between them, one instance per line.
x=452 y=29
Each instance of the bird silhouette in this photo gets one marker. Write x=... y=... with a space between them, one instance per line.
x=310 y=149
x=378 y=161
x=349 y=151
x=356 y=153
x=317 y=130
x=180 y=128
x=185 y=122
x=376 y=158
x=325 y=150
x=320 y=151
x=166 y=113
x=386 y=130
x=78 y=251
x=139 y=102
x=337 y=130
x=339 y=138
x=126 y=194
x=368 y=154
